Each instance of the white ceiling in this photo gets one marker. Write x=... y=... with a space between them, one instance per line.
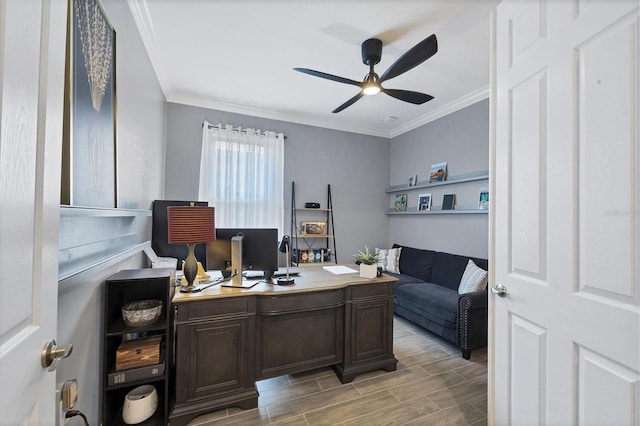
x=238 y=55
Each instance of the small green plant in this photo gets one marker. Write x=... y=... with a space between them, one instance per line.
x=366 y=256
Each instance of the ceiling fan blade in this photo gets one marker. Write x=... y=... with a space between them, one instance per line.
x=329 y=76
x=408 y=96
x=348 y=103
x=412 y=58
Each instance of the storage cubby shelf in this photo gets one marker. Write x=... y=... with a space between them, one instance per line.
x=467 y=177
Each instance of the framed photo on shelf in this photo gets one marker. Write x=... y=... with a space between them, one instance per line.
x=413 y=180
x=449 y=202
x=438 y=172
x=424 y=202
x=401 y=203
x=483 y=200
x=314 y=228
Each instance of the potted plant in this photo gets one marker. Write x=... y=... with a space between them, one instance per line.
x=368 y=263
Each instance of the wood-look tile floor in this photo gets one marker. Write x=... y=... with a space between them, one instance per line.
x=433 y=385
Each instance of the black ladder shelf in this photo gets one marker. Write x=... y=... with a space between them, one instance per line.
x=328 y=252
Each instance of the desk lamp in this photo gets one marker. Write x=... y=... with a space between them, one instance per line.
x=190 y=225
x=284 y=248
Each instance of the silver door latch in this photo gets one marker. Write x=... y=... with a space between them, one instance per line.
x=499 y=290
x=52 y=354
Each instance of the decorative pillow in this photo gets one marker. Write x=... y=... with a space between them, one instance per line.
x=474 y=279
x=389 y=259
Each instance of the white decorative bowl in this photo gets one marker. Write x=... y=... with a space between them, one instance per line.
x=142 y=312
x=139 y=404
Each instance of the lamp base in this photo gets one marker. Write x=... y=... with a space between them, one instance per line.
x=285 y=281
x=188 y=289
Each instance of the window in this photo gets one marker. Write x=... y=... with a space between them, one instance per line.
x=242 y=176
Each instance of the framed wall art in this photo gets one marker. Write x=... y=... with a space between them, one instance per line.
x=89 y=174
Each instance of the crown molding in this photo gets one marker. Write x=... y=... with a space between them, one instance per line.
x=140 y=13
x=451 y=107
x=273 y=115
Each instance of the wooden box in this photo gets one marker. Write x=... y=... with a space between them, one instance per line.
x=138 y=353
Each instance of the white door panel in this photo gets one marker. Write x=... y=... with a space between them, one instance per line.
x=566 y=214
x=32 y=46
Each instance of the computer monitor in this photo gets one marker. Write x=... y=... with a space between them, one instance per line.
x=259 y=249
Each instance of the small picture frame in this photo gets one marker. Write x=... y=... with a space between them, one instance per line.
x=413 y=180
x=424 y=202
x=314 y=228
x=400 y=204
x=449 y=202
x=438 y=172
x=483 y=200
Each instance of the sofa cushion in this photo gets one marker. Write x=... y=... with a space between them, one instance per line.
x=473 y=279
x=388 y=259
x=448 y=268
x=416 y=262
x=438 y=304
x=404 y=279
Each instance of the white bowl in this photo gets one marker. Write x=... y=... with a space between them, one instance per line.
x=140 y=404
x=142 y=312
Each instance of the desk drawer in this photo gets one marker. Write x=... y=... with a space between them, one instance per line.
x=371 y=290
x=213 y=308
x=299 y=302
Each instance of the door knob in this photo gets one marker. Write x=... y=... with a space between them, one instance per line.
x=52 y=354
x=499 y=290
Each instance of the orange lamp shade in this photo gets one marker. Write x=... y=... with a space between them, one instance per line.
x=189 y=225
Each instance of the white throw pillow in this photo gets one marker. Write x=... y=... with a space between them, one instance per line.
x=389 y=259
x=473 y=279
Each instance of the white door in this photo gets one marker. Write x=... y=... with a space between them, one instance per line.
x=566 y=213
x=32 y=46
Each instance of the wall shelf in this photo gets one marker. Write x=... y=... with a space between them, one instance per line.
x=467 y=177
x=312 y=210
x=439 y=212
x=101 y=211
x=93 y=237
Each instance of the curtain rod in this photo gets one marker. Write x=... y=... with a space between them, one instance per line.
x=239 y=129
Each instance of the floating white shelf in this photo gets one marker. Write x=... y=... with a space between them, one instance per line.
x=467 y=177
x=430 y=212
x=101 y=211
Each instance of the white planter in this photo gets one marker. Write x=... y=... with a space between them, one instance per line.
x=368 y=271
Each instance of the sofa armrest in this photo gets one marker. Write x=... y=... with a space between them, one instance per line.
x=472 y=327
x=474 y=300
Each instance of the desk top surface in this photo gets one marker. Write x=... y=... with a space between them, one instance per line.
x=309 y=279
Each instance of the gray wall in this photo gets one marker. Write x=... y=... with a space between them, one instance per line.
x=462 y=140
x=141 y=122
x=356 y=166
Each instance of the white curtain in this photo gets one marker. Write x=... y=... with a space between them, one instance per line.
x=242 y=176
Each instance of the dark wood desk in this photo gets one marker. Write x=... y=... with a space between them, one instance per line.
x=228 y=338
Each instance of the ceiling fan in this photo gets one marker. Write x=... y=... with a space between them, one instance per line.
x=372 y=83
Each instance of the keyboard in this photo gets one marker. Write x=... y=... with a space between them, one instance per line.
x=283 y=273
x=257 y=275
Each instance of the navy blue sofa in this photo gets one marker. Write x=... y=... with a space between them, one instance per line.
x=426 y=293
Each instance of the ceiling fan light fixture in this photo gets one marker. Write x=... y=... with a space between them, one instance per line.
x=371 y=89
